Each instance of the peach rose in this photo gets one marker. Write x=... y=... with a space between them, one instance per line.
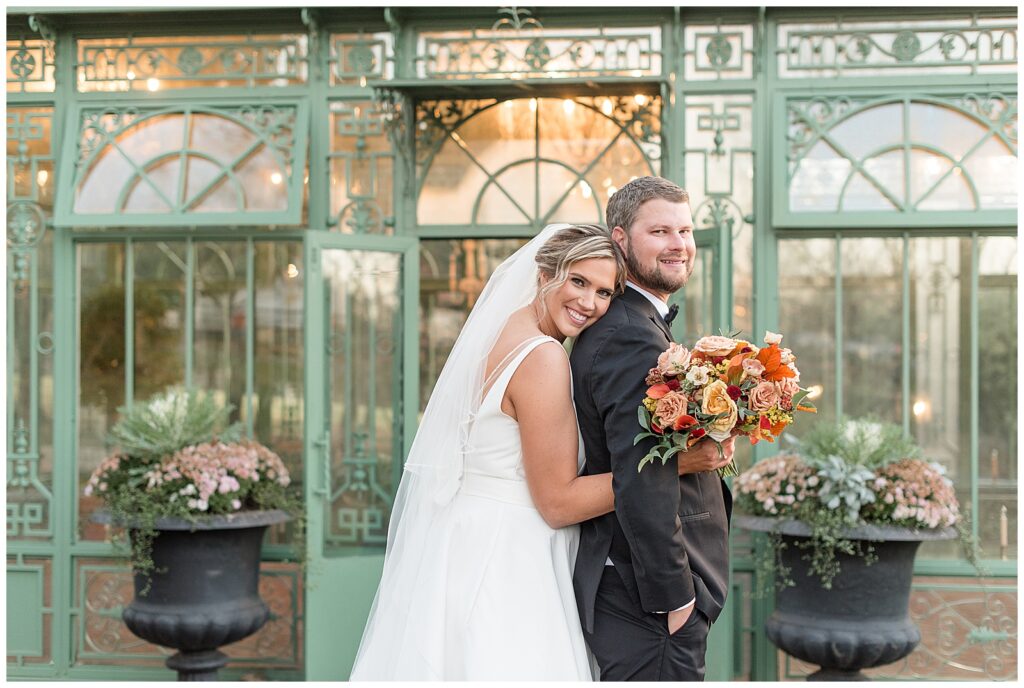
x=715 y=345
x=674 y=360
x=717 y=400
x=670 y=407
x=753 y=367
x=764 y=396
x=787 y=387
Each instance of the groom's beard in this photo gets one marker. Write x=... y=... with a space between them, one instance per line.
x=654 y=279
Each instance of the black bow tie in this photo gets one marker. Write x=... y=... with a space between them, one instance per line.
x=673 y=310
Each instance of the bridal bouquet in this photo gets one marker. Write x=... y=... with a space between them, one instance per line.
x=723 y=386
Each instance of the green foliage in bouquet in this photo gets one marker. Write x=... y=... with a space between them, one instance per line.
x=179 y=458
x=851 y=473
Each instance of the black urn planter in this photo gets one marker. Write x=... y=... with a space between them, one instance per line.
x=863 y=621
x=204 y=589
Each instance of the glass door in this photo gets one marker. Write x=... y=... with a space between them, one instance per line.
x=361 y=396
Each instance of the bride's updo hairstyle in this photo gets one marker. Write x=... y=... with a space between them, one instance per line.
x=571 y=245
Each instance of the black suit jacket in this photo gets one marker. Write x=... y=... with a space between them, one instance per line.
x=668 y=536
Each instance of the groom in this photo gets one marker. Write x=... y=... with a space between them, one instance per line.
x=652 y=575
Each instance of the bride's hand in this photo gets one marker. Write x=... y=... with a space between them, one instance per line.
x=704 y=456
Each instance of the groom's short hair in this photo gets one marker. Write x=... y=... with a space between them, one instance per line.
x=625 y=203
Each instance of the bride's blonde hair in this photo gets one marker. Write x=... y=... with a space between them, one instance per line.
x=570 y=245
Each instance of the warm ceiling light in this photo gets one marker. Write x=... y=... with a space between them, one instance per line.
x=568 y=106
x=640 y=99
x=153 y=84
x=815 y=391
x=275 y=178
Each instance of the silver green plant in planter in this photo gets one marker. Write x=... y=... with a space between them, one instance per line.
x=844 y=517
x=196 y=499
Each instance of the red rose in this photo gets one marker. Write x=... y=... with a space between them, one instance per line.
x=672 y=383
x=734 y=392
x=699 y=432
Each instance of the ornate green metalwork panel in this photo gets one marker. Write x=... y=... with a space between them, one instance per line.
x=30 y=191
x=362 y=169
x=718 y=51
x=30 y=63
x=518 y=46
x=364 y=394
x=357 y=57
x=558 y=159
x=900 y=155
x=957 y=43
x=155 y=64
x=178 y=164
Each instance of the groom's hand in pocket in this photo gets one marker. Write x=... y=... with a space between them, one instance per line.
x=703 y=456
x=678 y=619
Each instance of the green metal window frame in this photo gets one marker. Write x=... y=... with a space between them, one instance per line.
x=73 y=154
x=784 y=217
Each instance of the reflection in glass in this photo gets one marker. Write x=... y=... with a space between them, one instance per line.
x=220 y=321
x=276 y=412
x=955 y=156
x=159 y=312
x=364 y=335
x=807 y=319
x=872 y=287
x=531 y=161
x=452 y=275
x=998 y=413
x=185 y=162
x=101 y=357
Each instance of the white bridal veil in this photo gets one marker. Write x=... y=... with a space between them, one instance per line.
x=433 y=471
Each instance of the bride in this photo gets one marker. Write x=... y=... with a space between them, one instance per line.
x=477 y=580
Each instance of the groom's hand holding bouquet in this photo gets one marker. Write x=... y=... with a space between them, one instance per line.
x=722 y=387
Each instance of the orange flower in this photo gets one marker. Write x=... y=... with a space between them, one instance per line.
x=684 y=421
x=771 y=358
x=658 y=391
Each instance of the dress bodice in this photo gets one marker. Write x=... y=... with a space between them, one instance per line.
x=495 y=448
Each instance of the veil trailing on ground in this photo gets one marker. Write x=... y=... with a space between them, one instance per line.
x=434 y=467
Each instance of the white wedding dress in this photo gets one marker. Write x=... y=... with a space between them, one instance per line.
x=493 y=598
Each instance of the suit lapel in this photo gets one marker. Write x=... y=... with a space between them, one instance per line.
x=638 y=302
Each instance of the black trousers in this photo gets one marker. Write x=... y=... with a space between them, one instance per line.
x=633 y=645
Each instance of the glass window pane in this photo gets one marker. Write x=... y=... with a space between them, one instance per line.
x=940 y=376
x=531 y=161
x=872 y=287
x=101 y=361
x=807 y=319
x=363 y=291
x=452 y=275
x=276 y=415
x=220 y=321
x=146 y=162
x=158 y=298
x=998 y=413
